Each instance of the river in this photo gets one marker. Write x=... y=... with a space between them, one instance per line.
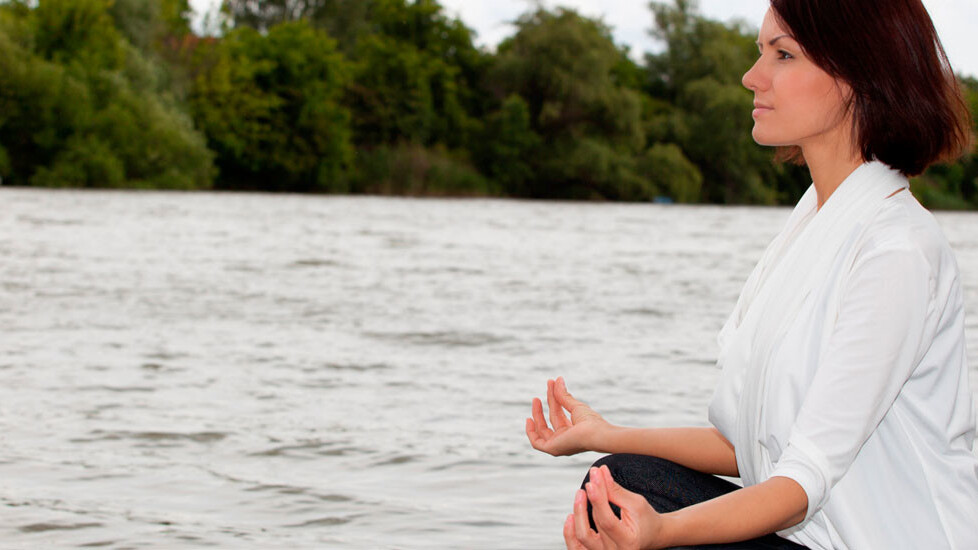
x=184 y=370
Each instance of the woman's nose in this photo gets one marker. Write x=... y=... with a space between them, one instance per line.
x=752 y=78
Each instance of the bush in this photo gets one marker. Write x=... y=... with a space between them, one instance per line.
x=86 y=109
x=411 y=169
x=940 y=187
x=84 y=162
x=270 y=107
x=505 y=152
x=564 y=67
x=4 y=163
x=670 y=172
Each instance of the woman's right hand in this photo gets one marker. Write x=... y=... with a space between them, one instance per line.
x=567 y=437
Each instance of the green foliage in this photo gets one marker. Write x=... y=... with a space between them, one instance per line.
x=392 y=96
x=145 y=22
x=564 y=66
x=175 y=16
x=153 y=32
x=718 y=119
x=969 y=184
x=699 y=75
x=669 y=172
x=696 y=48
x=506 y=151
x=83 y=162
x=953 y=186
x=399 y=92
x=932 y=193
x=73 y=113
x=344 y=20
x=417 y=76
x=40 y=108
x=270 y=107
x=157 y=144
x=411 y=169
x=4 y=163
x=77 y=30
x=137 y=20
x=589 y=168
x=265 y=14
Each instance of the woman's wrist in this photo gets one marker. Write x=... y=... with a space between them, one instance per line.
x=603 y=438
x=665 y=533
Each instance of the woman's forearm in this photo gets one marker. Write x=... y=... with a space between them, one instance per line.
x=701 y=449
x=773 y=505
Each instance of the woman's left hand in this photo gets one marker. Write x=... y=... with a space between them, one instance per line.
x=640 y=525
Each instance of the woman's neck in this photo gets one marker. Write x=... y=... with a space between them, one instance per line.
x=830 y=163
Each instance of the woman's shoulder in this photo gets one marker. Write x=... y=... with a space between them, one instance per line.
x=904 y=225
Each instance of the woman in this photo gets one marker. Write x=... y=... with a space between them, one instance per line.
x=844 y=403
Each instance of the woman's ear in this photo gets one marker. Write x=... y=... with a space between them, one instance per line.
x=846 y=94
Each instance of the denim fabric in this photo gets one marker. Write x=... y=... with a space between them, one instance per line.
x=669 y=486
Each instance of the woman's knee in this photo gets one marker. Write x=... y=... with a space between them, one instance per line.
x=621 y=465
x=611 y=461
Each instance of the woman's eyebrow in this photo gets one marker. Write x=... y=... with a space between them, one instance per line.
x=774 y=40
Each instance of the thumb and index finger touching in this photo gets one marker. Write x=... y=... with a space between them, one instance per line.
x=602 y=491
x=558 y=399
x=615 y=493
x=561 y=393
x=563 y=396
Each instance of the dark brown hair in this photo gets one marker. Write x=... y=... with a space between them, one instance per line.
x=906 y=103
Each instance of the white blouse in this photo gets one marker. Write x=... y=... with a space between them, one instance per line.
x=864 y=396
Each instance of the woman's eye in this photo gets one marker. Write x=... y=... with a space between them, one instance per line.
x=784 y=55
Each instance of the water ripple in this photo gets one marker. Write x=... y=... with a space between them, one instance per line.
x=256 y=370
x=442 y=338
x=42 y=527
x=196 y=437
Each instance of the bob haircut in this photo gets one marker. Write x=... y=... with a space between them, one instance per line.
x=906 y=104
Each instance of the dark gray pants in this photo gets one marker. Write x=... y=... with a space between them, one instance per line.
x=669 y=486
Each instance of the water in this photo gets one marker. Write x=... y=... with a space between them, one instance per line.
x=247 y=370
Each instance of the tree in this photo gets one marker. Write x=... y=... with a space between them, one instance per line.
x=671 y=173
x=418 y=76
x=145 y=22
x=391 y=95
x=262 y=15
x=506 y=151
x=562 y=65
x=270 y=107
x=699 y=73
x=74 y=115
x=37 y=113
x=954 y=184
x=77 y=30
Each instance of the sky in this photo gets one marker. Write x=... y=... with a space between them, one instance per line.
x=956 y=21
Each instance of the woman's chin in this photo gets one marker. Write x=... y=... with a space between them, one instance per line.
x=759 y=138
x=767 y=140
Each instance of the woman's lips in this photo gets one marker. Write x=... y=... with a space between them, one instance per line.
x=760 y=109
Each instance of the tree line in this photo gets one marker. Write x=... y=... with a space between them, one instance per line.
x=392 y=97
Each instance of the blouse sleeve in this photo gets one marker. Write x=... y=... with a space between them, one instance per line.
x=877 y=341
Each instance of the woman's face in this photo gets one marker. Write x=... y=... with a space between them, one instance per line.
x=795 y=102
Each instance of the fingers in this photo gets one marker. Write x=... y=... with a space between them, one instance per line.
x=570 y=539
x=597 y=493
x=615 y=493
x=563 y=396
x=557 y=417
x=582 y=530
x=541 y=423
x=531 y=433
